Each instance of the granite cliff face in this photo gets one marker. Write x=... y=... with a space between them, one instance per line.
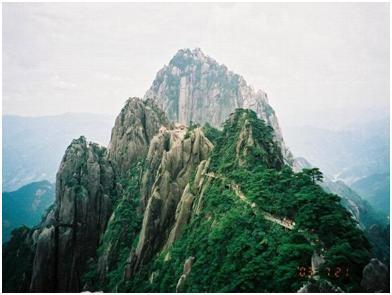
x=194 y=88
x=132 y=139
x=133 y=130
x=88 y=188
x=71 y=231
x=179 y=151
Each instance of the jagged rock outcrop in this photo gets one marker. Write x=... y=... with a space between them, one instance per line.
x=187 y=269
x=183 y=152
x=316 y=262
x=86 y=187
x=375 y=277
x=194 y=88
x=323 y=286
x=134 y=128
x=183 y=212
x=85 y=191
x=159 y=144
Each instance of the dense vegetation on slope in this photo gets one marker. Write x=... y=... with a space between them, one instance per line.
x=227 y=243
x=119 y=238
x=18 y=261
x=235 y=249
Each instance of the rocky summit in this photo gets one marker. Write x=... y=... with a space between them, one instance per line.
x=195 y=193
x=133 y=130
x=194 y=88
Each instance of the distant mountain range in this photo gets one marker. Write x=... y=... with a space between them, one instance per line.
x=348 y=155
x=26 y=206
x=33 y=146
x=359 y=156
x=375 y=188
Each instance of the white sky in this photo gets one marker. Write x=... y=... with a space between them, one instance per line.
x=323 y=65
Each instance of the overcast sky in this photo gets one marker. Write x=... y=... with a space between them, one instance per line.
x=323 y=65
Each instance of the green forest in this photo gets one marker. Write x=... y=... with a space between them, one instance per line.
x=234 y=248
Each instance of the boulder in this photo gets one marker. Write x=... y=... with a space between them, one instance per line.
x=375 y=277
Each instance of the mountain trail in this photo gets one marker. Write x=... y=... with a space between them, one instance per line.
x=317 y=258
x=285 y=222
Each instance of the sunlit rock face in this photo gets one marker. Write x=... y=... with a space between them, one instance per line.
x=182 y=152
x=194 y=88
x=134 y=128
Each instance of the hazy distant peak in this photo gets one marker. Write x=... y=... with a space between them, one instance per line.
x=196 y=53
x=187 y=59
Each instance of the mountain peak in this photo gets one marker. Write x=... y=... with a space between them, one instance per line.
x=196 y=53
x=250 y=141
x=135 y=126
x=195 y=88
x=186 y=59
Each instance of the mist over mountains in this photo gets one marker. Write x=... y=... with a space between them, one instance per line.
x=348 y=154
x=33 y=146
x=357 y=155
x=26 y=206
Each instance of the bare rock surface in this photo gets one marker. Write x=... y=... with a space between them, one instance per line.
x=195 y=88
x=69 y=236
x=375 y=277
x=187 y=269
x=135 y=126
x=184 y=152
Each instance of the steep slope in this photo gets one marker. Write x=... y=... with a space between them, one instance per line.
x=70 y=232
x=90 y=182
x=228 y=244
x=194 y=88
x=134 y=128
x=184 y=152
x=359 y=208
x=132 y=137
x=156 y=190
x=375 y=225
x=26 y=206
x=85 y=192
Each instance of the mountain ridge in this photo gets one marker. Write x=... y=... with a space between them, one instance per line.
x=157 y=218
